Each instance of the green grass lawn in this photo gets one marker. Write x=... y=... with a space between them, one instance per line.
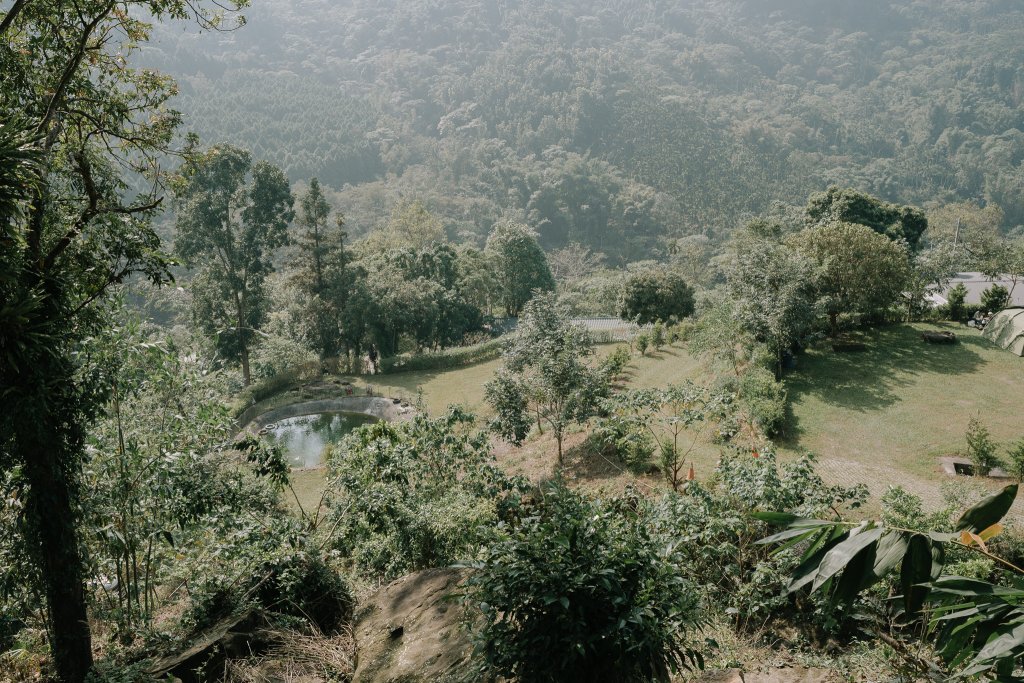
x=882 y=416
x=885 y=415
x=465 y=386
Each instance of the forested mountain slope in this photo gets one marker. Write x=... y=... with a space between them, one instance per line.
x=616 y=123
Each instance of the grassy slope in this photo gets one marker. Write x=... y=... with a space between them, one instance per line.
x=465 y=387
x=885 y=416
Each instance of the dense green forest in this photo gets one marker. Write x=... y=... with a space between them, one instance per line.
x=618 y=125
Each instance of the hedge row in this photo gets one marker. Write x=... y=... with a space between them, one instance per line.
x=444 y=360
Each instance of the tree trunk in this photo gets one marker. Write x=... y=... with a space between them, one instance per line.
x=57 y=550
x=246 y=375
x=833 y=321
x=558 y=438
x=242 y=341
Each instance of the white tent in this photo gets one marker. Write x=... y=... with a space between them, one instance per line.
x=1006 y=328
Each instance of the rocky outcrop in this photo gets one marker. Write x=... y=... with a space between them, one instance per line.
x=410 y=631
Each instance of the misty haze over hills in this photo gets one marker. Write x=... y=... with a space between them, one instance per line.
x=616 y=124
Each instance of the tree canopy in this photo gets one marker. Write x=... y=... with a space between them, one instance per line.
x=231 y=214
x=519 y=265
x=851 y=206
x=858 y=271
x=655 y=294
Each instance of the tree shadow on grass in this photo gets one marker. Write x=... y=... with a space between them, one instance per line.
x=875 y=379
x=581 y=462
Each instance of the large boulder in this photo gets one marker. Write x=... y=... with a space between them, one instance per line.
x=411 y=631
x=232 y=637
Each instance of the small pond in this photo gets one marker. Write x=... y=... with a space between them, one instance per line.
x=303 y=438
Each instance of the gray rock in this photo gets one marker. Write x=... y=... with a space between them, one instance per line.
x=410 y=631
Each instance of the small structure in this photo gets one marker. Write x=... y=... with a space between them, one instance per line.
x=955 y=465
x=1006 y=330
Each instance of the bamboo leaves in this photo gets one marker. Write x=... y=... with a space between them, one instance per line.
x=977 y=626
x=987 y=512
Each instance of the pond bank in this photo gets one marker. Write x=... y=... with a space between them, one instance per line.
x=374 y=406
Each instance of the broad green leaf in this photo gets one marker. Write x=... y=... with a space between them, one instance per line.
x=1009 y=642
x=916 y=570
x=891 y=548
x=959 y=614
x=836 y=559
x=988 y=511
x=776 y=518
x=808 y=567
x=793 y=532
x=857 y=575
x=958 y=585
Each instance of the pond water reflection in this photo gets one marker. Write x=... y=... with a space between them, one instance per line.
x=303 y=438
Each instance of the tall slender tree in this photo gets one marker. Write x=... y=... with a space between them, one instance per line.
x=322 y=272
x=231 y=214
x=71 y=230
x=771 y=286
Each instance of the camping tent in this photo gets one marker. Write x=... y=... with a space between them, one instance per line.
x=1006 y=328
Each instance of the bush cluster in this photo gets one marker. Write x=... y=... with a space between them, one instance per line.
x=583 y=590
x=419 y=494
x=621 y=437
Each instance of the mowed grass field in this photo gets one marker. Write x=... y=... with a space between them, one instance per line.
x=465 y=386
x=886 y=415
x=882 y=417
x=536 y=459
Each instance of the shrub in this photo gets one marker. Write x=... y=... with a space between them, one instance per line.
x=620 y=437
x=642 y=342
x=582 y=591
x=296 y=585
x=275 y=354
x=658 y=335
x=417 y=494
x=981 y=449
x=955 y=306
x=711 y=522
x=680 y=331
x=443 y=360
x=272 y=386
x=1016 y=464
x=615 y=362
x=764 y=398
x=994 y=298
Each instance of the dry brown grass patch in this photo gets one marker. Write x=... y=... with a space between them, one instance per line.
x=298 y=657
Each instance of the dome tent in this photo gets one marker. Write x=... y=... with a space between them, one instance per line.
x=1006 y=329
